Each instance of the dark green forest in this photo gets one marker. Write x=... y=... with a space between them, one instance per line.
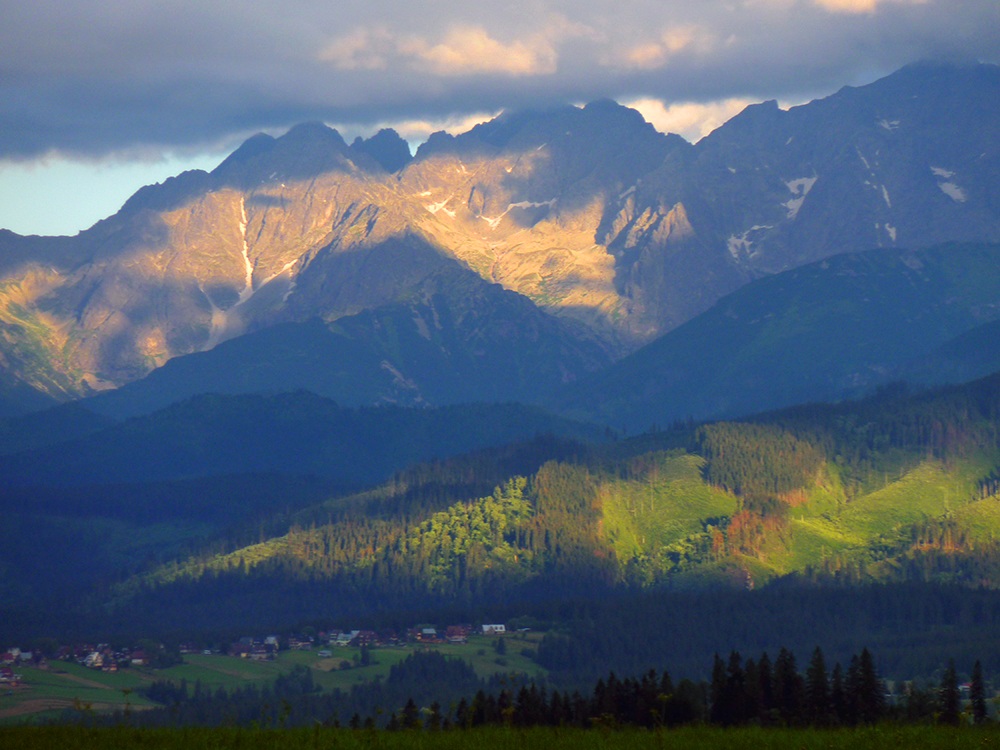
x=861 y=524
x=897 y=488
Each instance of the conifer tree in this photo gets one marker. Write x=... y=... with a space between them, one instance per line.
x=463 y=716
x=852 y=692
x=977 y=694
x=411 y=716
x=871 y=692
x=838 y=698
x=717 y=691
x=435 y=718
x=735 y=691
x=948 y=696
x=765 y=681
x=752 y=707
x=817 y=690
x=788 y=687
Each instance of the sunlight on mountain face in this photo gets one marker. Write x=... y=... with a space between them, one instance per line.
x=619 y=232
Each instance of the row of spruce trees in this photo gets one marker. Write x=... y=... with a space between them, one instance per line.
x=760 y=692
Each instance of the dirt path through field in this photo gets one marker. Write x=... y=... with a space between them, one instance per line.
x=84 y=681
x=34 y=706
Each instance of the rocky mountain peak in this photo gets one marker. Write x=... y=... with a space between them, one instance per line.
x=252 y=148
x=305 y=151
x=387 y=148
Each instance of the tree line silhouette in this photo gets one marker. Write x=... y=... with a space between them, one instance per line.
x=430 y=691
x=740 y=693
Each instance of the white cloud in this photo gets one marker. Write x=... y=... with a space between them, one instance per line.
x=861 y=6
x=416 y=131
x=360 y=49
x=463 y=49
x=693 y=120
x=469 y=50
x=655 y=53
x=91 y=78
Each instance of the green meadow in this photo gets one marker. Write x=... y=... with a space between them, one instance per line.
x=67 y=686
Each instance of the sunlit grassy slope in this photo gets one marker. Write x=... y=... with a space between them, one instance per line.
x=672 y=501
x=899 y=487
x=661 y=517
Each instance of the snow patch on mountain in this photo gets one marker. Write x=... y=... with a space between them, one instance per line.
x=247 y=292
x=741 y=246
x=532 y=204
x=494 y=221
x=436 y=207
x=949 y=188
x=799 y=189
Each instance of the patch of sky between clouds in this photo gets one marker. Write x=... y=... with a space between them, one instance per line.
x=62 y=196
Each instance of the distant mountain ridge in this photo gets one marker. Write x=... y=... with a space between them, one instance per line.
x=834 y=329
x=609 y=233
x=295 y=434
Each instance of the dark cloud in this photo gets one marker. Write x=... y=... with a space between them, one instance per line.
x=89 y=79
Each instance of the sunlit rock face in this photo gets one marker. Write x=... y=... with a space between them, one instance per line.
x=613 y=233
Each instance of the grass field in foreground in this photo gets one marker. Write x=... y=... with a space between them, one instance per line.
x=318 y=738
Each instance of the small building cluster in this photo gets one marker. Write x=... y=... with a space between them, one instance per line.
x=326 y=641
x=8 y=677
x=95 y=657
x=107 y=658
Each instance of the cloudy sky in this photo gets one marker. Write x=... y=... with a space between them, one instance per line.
x=99 y=98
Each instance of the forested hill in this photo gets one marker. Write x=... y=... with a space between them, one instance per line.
x=296 y=433
x=897 y=487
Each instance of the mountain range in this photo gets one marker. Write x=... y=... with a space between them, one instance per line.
x=544 y=256
x=512 y=373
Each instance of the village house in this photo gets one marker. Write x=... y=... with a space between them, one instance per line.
x=388 y=638
x=139 y=658
x=457 y=633
x=260 y=652
x=428 y=635
x=241 y=648
x=9 y=677
x=346 y=638
x=494 y=629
